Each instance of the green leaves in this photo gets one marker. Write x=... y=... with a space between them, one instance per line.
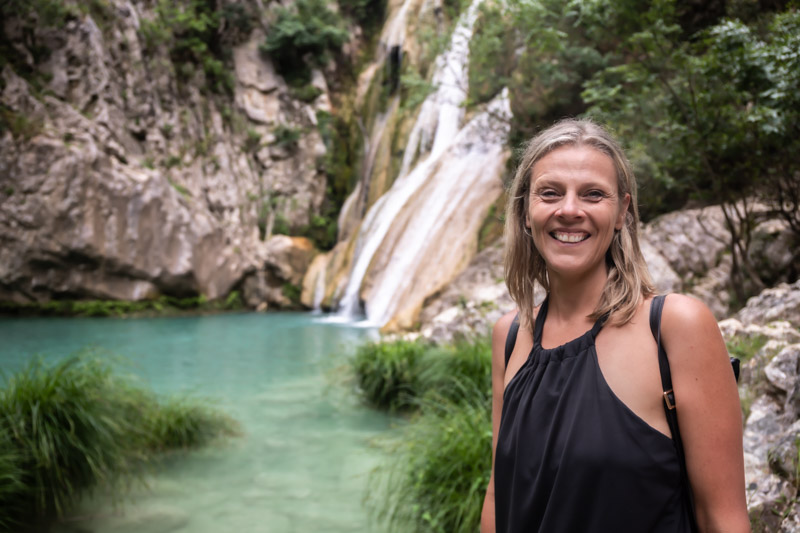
x=303 y=36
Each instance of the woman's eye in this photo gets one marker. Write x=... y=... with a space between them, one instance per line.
x=548 y=193
x=595 y=195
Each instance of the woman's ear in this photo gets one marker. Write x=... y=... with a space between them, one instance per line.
x=623 y=210
x=527 y=221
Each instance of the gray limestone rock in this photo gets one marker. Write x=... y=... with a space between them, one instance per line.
x=691 y=240
x=778 y=303
x=665 y=278
x=782 y=371
x=126 y=184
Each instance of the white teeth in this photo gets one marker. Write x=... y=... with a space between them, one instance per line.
x=570 y=237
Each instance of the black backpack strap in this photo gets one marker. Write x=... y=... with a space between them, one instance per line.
x=656 y=308
x=511 y=338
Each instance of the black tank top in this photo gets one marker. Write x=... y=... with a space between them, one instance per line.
x=572 y=457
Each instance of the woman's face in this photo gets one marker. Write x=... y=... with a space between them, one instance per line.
x=574 y=209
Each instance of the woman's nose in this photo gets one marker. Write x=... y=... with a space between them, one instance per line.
x=570 y=206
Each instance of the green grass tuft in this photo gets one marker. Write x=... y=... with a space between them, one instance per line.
x=69 y=427
x=441 y=463
x=437 y=478
x=387 y=373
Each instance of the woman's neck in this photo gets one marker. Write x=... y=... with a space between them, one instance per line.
x=572 y=300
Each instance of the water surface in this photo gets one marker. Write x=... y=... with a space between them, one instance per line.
x=303 y=460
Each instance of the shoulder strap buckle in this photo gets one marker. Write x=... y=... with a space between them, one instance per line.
x=669 y=399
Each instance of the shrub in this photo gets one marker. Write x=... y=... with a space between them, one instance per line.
x=309 y=30
x=491 y=54
x=286 y=136
x=190 y=30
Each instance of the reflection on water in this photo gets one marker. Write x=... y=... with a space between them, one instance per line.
x=303 y=461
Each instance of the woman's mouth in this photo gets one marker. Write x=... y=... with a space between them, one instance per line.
x=569 y=237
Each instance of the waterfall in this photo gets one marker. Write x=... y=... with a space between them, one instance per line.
x=319 y=290
x=437 y=129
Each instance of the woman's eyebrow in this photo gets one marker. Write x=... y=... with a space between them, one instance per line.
x=546 y=181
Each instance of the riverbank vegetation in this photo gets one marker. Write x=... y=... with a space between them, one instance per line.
x=72 y=427
x=440 y=464
x=161 y=306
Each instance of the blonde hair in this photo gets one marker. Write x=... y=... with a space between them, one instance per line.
x=628 y=281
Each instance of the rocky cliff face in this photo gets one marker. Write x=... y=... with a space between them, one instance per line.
x=122 y=179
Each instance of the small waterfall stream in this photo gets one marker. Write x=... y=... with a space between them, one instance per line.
x=436 y=183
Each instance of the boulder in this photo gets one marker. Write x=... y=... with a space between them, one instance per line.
x=691 y=240
x=288 y=258
x=664 y=277
x=778 y=303
x=782 y=371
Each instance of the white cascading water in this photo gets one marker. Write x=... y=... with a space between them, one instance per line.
x=440 y=120
x=319 y=291
x=456 y=180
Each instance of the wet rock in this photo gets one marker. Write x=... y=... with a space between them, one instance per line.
x=289 y=257
x=471 y=303
x=278 y=281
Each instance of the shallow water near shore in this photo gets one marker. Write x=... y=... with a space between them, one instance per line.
x=307 y=447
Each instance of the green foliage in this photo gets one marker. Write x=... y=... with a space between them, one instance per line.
x=69 y=427
x=388 y=373
x=183 y=191
x=306 y=93
x=746 y=347
x=719 y=113
x=306 y=30
x=21 y=126
x=367 y=13
x=180 y=423
x=442 y=460
x=190 y=29
x=286 y=136
x=321 y=231
x=398 y=374
x=414 y=90
x=449 y=372
x=291 y=292
x=491 y=54
x=441 y=467
x=163 y=305
x=252 y=142
x=281 y=226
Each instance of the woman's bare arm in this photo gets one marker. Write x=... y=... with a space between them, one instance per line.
x=499 y=334
x=709 y=414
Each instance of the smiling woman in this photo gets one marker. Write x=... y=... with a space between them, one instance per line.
x=574 y=210
x=580 y=435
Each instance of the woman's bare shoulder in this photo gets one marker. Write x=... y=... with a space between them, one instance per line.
x=503 y=324
x=686 y=313
x=689 y=325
